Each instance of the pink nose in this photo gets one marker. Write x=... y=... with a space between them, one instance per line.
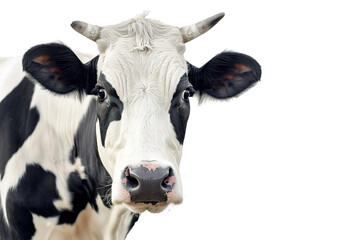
x=148 y=183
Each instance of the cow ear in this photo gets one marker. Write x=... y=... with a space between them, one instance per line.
x=225 y=75
x=57 y=68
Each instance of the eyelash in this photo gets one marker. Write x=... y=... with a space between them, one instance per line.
x=189 y=92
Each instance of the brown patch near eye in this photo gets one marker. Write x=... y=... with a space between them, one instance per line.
x=241 y=68
x=42 y=59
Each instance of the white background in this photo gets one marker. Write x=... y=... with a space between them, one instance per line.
x=279 y=162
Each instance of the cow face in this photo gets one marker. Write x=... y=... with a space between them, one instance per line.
x=142 y=106
x=142 y=85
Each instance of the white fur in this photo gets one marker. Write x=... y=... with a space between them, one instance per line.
x=119 y=214
x=47 y=226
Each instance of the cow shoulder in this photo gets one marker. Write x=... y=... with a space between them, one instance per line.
x=17 y=120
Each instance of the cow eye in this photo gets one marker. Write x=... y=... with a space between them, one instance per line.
x=102 y=94
x=187 y=93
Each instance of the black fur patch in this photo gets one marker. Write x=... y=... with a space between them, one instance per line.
x=90 y=74
x=180 y=109
x=35 y=193
x=83 y=192
x=135 y=218
x=109 y=109
x=17 y=121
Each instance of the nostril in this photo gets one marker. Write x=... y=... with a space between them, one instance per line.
x=169 y=181
x=131 y=182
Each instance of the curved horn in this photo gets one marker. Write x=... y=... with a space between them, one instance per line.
x=90 y=31
x=193 y=31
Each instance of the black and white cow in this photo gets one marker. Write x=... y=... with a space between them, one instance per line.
x=85 y=148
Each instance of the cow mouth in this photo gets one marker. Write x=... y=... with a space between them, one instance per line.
x=153 y=207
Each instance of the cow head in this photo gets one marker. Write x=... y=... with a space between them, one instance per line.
x=142 y=85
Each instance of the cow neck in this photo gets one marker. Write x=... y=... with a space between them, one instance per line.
x=85 y=148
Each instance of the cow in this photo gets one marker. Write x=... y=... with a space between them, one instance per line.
x=88 y=144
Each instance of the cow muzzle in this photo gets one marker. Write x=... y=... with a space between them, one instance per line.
x=149 y=186
x=148 y=183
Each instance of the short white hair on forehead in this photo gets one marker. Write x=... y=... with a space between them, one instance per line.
x=143 y=32
x=142 y=55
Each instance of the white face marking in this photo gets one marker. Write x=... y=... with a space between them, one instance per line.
x=145 y=82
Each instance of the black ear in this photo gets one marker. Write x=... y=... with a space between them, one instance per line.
x=58 y=69
x=225 y=75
